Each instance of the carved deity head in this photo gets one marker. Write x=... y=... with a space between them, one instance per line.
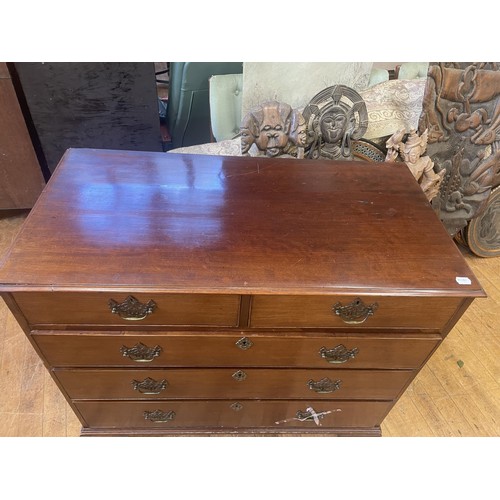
x=333 y=124
x=268 y=126
x=334 y=117
x=274 y=128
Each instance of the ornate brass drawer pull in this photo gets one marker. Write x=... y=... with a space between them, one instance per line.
x=159 y=415
x=141 y=353
x=324 y=386
x=356 y=312
x=149 y=386
x=131 y=309
x=339 y=354
x=236 y=406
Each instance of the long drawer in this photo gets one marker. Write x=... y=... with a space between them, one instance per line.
x=223 y=383
x=292 y=311
x=93 y=349
x=232 y=414
x=124 y=309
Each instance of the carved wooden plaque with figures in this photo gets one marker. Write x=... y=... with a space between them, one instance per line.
x=461 y=111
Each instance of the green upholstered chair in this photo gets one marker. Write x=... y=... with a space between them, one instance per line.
x=412 y=70
x=225 y=105
x=378 y=75
x=188 y=111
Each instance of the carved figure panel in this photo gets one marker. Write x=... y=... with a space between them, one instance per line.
x=276 y=130
x=482 y=235
x=461 y=112
x=410 y=148
x=330 y=126
x=334 y=118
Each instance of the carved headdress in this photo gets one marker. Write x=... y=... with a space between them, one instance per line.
x=415 y=140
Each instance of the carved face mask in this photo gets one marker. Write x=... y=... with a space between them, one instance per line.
x=333 y=125
x=273 y=132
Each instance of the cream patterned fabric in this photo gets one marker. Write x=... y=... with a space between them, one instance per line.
x=393 y=105
x=229 y=147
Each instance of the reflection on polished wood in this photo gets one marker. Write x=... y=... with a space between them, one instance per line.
x=198 y=224
x=457 y=393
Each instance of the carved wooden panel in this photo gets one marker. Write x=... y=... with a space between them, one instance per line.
x=461 y=111
x=482 y=234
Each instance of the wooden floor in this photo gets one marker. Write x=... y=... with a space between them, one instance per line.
x=456 y=394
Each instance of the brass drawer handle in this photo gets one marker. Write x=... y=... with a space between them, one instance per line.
x=339 y=354
x=324 y=386
x=159 y=416
x=131 y=309
x=141 y=353
x=149 y=386
x=310 y=415
x=356 y=312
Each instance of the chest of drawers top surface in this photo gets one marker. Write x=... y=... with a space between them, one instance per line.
x=112 y=220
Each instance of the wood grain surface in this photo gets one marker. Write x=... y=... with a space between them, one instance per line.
x=240 y=224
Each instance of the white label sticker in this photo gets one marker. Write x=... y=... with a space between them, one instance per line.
x=462 y=280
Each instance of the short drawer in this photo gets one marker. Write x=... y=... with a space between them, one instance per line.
x=231 y=414
x=291 y=311
x=223 y=383
x=128 y=309
x=87 y=349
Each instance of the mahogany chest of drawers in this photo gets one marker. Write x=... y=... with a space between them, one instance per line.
x=188 y=294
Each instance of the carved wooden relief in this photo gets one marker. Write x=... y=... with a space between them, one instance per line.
x=461 y=112
x=482 y=234
x=328 y=127
x=335 y=117
x=410 y=150
x=275 y=128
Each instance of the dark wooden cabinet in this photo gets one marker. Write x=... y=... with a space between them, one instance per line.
x=21 y=177
x=188 y=294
